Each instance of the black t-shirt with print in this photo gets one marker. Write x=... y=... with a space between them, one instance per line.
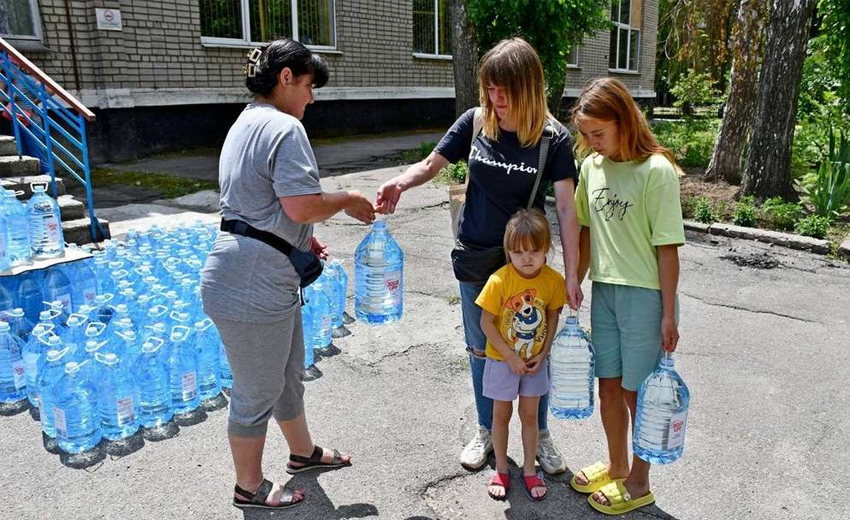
x=502 y=176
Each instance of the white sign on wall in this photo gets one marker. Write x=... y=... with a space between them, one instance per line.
x=108 y=19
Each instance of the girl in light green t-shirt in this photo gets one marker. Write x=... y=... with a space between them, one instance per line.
x=627 y=202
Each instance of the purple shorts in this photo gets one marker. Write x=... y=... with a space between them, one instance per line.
x=503 y=384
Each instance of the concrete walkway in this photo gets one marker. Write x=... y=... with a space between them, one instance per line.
x=764 y=352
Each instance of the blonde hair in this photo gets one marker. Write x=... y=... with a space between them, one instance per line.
x=513 y=64
x=527 y=230
x=608 y=99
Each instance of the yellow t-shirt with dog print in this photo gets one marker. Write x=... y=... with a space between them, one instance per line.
x=520 y=305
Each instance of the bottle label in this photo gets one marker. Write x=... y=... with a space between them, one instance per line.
x=124 y=406
x=59 y=422
x=392 y=280
x=19 y=374
x=89 y=294
x=66 y=301
x=52 y=227
x=190 y=387
x=676 y=435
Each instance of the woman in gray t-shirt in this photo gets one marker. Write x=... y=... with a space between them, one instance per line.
x=269 y=180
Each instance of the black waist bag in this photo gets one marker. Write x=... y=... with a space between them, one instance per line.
x=306 y=264
x=475 y=264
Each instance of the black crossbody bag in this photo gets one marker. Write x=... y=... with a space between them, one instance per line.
x=473 y=264
x=306 y=264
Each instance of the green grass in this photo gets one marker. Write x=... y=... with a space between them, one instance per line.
x=170 y=187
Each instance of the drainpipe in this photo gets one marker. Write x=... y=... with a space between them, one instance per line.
x=74 y=63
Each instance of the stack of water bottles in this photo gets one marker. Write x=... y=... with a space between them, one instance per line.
x=31 y=231
x=113 y=343
x=323 y=312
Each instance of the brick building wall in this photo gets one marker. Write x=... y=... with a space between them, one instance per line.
x=158 y=69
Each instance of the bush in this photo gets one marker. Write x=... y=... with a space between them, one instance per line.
x=454 y=173
x=694 y=89
x=780 y=214
x=704 y=212
x=829 y=190
x=691 y=140
x=417 y=154
x=815 y=226
x=745 y=215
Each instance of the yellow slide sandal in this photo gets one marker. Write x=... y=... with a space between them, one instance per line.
x=597 y=476
x=620 y=500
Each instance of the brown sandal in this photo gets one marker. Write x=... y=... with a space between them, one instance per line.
x=257 y=500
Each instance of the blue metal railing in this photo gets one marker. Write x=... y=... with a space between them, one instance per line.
x=48 y=123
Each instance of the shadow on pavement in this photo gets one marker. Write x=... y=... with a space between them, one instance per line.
x=316 y=502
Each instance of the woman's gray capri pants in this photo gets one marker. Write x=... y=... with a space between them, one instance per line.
x=267 y=361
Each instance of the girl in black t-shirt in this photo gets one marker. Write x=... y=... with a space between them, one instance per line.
x=503 y=161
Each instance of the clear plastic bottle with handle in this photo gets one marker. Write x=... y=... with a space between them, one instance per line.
x=661 y=418
x=378 y=277
x=571 y=372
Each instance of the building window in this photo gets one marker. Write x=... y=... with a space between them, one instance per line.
x=572 y=57
x=19 y=20
x=624 y=51
x=432 y=28
x=252 y=22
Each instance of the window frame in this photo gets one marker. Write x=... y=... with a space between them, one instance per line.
x=36 y=21
x=618 y=26
x=574 y=64
x=436 y=55
x=214 y=41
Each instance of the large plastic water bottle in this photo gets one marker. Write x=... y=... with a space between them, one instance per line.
x=183 y=369
x=378 y=277
x=84 y=284
x=207 y=350
x=341 y=278
x=330 y=284
x=117 y=399
x=662 y=415
x=75 y=411
x=19 y=244
x=571 y=372
x=56 y=287
x=13 y=378
x=320 y=313
x=74 y=336
x=29 y=297
x=40 y=341
x=307 y=328
x=153 y=389
x=48 y=375
x=45 y=225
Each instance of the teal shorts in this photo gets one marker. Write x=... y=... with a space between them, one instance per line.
x=625 y=328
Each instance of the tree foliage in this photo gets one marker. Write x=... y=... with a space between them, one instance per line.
x=552 y=27
x=835 y=28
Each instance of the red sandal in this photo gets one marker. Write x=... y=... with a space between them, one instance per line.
x=499 y=479
x=531 y=482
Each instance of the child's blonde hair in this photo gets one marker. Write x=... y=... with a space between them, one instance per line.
x=527 y=230
x=608 y=99
x=513 y=64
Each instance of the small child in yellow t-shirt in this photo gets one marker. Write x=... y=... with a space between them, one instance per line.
x=520 y=307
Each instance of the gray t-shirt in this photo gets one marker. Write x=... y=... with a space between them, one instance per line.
x=265 y=156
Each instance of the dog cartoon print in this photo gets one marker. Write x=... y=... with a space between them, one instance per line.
x=526 y=319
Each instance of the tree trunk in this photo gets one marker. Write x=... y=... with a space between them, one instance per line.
x=768 y=171
x=464 y=58
x=737 y=122
x=556 y=92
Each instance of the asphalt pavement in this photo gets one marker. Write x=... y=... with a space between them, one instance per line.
x=764 y=351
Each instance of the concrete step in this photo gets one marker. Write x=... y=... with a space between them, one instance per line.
x=71 y=208
x=77 y=231
x=7 y=145
x=23 y=184
x=14 y=166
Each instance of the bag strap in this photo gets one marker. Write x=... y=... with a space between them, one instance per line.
x=548 y=131
x=477 y=125
x=238 y=227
